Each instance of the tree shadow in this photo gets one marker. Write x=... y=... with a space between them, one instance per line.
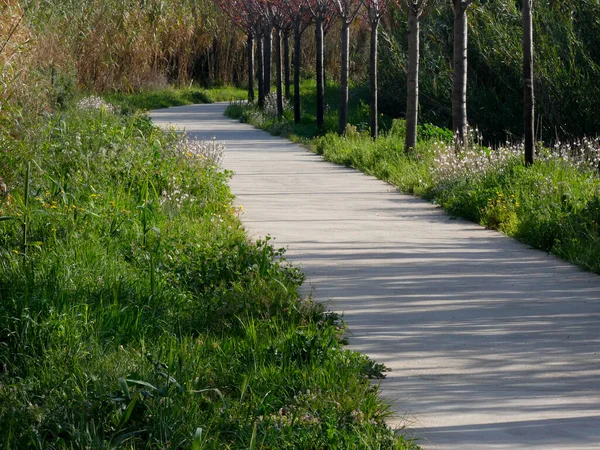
x=491 y=344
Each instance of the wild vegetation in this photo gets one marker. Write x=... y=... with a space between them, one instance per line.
x=490 y=86
x=566 y=68
x=111 y=45
x=134 y=311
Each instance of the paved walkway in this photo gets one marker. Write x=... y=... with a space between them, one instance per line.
x=492 y=345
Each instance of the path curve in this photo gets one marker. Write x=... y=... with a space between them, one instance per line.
x=492 y=345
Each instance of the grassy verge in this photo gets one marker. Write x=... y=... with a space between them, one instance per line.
x=136 y=314
x=553 y=205
x=164 y=98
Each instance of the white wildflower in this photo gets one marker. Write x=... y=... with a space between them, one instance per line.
x=206 y=153
x=94 y=103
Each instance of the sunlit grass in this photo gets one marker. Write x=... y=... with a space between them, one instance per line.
x=164 y=98
x=136 y=314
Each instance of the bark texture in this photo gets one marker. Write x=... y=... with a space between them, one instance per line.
x=268 y=55
x=260 y=66
x=459 y=77
x=373 y=81
x=345 y=48
x=250 y=68
x=412 y=85
x=528 y=93
x=278 y=63
x=297 y=66
x=286 y=64
x=320 y=73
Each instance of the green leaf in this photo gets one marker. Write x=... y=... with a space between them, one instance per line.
x=197 y=439
x=125 y=388
x=141 y=383
x=218 y=392
x=253 y=437
x=129 y=410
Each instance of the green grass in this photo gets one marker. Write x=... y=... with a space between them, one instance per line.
x=307 y=129
x=553 y=205
x=164 y=98
x=136 y=314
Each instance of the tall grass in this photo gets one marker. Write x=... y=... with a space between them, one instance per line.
x=125 y=46
x=135 y=313
x=164 y=98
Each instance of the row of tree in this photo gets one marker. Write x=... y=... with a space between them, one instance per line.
x=272 y=21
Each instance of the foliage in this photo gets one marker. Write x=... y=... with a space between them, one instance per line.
x=566 y=61
x=306 y=129
x=106 y=45
x=137 y=46
x=164 y=98
x=135 y=313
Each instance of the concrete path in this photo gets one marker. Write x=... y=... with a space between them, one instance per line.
x=492 y=345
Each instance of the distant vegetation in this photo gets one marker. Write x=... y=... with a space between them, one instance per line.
x=112 y=45
x=567 y=64
x=166 y=97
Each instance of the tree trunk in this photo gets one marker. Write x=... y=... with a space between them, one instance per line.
x=373 y=80
x=320 y=74
x=267 y=55
x=278 y=58
x=250 y=67
x=261 y=74
x=459 y=78
x=528 y=94
x=412 y=85
x=286 y=64
x=297 y=64
x=345 y=46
